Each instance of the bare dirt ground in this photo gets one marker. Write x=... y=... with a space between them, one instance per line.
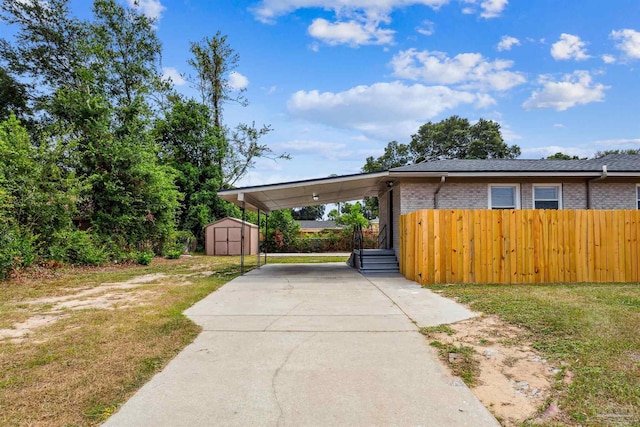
x=107 y=296
x=514 y=381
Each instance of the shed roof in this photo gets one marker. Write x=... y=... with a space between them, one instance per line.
x=230 y=218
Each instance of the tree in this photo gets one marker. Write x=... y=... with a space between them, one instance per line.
x=628 y=152
x=455 y=138
x=353 y=217
x=36 y=196
x=96 y=80
x=214 y=60
x=562 y=156
x=282 y=232
x=310 y=213
x=13 y=96
x=395 y=155
x=193 y=146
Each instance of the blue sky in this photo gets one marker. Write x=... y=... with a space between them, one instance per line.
x=339 y=79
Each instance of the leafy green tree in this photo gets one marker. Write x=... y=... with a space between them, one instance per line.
x=353 y=217
x=456 y=138
x=13 y=96
x=96 y=81
x=308 y=213
x=562 y=156
x=193 y=146
x=628 y=152
x=283 y=230
x=333 y=215
x=36 y=197
x=395 y=155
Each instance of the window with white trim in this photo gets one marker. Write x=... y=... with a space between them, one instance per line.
x=638 y=195
x=504 y=196
x=547 y=196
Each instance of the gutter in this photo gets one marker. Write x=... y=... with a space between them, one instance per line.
x=443 y=178
x=602 y=177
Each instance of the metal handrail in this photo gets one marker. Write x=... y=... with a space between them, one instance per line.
x=382 y=237
x=357 y=240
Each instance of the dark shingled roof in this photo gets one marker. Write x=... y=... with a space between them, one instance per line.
x=614 y=163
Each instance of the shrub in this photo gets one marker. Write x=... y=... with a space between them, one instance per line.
x=144 y=258
x=17 y=250
x=174 y=254
x=77 y=248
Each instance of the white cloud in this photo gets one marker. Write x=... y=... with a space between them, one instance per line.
x=173 y=75
x=151 y=8
x=507 y=42
x=489 y=8
x=569 y=47
x=621 y=143
x=427 y=28
x=471 y=70
x=492 y=8
x=628 y=42
x=358 y=22
x=608 y=59
x=352 y=32
x=268 y=10
x=380 y=110
x=237 y=81
x=559 y=126
x=574 y=89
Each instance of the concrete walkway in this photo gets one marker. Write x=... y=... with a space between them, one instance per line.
x=310 y=345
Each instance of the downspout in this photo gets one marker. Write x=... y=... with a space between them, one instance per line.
x=602 y=177
x=443 y=178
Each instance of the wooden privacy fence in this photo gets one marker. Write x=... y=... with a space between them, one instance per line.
x=520 y=246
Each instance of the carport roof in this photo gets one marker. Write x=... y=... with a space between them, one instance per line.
x=268 y=198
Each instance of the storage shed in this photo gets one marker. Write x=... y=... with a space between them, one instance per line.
x=223 y=237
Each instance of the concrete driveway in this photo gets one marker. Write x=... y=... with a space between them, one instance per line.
x=310 y=345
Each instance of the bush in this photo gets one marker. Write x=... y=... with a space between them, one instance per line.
x=144 y=258
x=174 y=254
x=17 y=250
x=76 y=248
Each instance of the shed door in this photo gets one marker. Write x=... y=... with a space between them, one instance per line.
x=221 y=241
x=235 y=238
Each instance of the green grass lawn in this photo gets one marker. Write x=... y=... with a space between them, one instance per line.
x=79 y=369
x=594 y=329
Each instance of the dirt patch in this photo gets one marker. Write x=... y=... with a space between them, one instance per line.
x=106 y=296
x=514 y=380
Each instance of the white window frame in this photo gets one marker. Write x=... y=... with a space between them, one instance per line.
x=517 y=195
x=533 y=194
x=638 y=196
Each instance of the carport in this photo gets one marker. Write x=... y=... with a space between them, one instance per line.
x=265 y=199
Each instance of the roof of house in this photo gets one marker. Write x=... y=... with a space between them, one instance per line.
x=614 y=163
x=323 y=225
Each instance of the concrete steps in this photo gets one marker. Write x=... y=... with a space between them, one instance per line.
x=375 y=261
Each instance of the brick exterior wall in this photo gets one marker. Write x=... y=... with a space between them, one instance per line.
x=609 y=194
x=416 y=196
x=463 y=195
x=397 y=191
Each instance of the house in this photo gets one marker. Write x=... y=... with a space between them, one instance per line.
x=610 y=182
